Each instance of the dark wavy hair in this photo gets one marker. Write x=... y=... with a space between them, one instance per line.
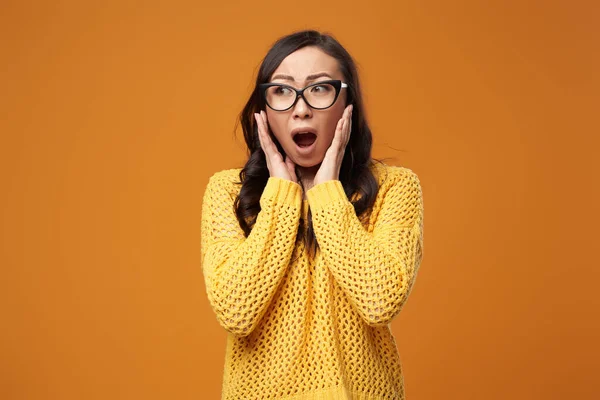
x=356 y=177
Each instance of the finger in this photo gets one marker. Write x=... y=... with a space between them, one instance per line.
x=338 y=131
x=259 y=129
x=347 y=120
x=342 y=136
x=339 y=137
x=349 y=130
x=261 y=139
x=270 y=146
x=261 y=135
x=264 y=135
x=274 y=157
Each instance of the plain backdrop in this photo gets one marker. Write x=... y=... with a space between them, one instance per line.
x=114 y=114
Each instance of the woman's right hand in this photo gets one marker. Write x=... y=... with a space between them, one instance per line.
x=278 y=167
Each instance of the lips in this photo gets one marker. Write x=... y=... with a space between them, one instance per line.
x=304 y=137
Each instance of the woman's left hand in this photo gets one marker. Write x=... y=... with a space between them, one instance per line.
x=330 y=167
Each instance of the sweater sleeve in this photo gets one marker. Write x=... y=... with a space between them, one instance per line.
x=375 y=269
x=242 y=274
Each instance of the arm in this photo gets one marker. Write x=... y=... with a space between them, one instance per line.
x=376 y=270
x=242 y=274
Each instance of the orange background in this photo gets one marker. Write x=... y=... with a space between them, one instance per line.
x=115 y=114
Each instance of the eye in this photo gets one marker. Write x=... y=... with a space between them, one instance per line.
x=317 y=89
x=282 y=91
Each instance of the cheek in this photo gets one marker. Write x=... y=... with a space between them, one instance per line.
x=277 y=125
x=332 y=121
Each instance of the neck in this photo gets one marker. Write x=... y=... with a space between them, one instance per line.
x=307 y=176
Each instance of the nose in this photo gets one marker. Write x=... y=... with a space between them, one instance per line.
x=301 y=109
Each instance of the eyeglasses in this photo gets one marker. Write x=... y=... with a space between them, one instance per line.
x=320 y=95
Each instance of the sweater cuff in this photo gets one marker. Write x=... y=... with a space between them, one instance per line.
x=282 y=191
x=324 y=193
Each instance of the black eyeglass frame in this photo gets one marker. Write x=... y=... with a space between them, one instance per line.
x=337 y=84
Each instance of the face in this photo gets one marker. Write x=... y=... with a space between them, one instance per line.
x=301 y=68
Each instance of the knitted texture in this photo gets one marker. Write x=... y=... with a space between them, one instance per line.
x=302 y=327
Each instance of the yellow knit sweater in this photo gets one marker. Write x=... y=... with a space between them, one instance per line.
x=304 y=328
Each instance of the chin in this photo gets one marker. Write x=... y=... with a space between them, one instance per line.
x=309 y=163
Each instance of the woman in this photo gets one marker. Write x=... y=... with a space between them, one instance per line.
x=312 y=248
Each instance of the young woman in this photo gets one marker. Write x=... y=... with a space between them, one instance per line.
x=311 y=249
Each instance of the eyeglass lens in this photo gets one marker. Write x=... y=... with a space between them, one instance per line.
x=317 y=96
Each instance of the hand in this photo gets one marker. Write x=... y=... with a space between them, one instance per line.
x=332 y=162
x=275 y=163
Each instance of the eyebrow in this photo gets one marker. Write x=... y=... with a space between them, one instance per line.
x=308 y=78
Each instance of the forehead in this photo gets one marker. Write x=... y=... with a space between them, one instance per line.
x=306 y=61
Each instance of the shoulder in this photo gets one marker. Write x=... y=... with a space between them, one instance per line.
x=400 y=192
x=225 y=181
x=227 y=175
x=389 y=176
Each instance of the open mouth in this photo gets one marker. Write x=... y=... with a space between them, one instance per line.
x=304 y=139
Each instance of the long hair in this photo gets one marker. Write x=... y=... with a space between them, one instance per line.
x=356 y=177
